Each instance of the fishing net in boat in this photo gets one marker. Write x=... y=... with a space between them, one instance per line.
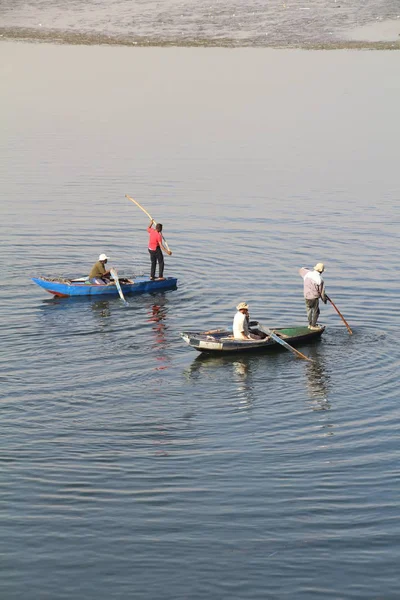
x=63 y=279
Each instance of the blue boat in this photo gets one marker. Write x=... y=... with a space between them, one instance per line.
x=65 y=288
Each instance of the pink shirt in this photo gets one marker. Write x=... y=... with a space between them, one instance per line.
x=313 y=284
x=155 y=238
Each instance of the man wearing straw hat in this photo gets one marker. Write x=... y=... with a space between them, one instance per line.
x=314 y=289
x=241 y=323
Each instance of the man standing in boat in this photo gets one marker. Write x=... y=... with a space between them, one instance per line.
x=241 y=323
x=155 y=250
x=99 y=273
x=314 y=289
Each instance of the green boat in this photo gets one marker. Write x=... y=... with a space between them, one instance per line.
x=222 y=340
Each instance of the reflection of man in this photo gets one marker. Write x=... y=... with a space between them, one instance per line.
x=99 y=274
x=314 y=289
x=157 y=315
x=241 y=323
x=241 y=369
x=318 y=381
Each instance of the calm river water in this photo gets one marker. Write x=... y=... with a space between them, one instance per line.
x=131 y=468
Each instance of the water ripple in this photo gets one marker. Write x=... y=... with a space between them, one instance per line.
x=130 y=464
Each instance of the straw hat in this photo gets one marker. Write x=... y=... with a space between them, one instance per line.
x=320 y=267
x=242 y=305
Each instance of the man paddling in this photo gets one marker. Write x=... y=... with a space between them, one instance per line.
x=314 y=289
x=99 y=273
x=155 y=250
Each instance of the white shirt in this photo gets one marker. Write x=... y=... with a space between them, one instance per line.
x=240 y=326
x=313 y=284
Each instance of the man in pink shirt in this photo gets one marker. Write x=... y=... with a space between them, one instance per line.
x=155 y=250
x=314 y=289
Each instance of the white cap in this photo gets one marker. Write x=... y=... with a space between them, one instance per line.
x=103 y=257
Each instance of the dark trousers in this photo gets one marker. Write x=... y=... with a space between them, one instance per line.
x=156 y=256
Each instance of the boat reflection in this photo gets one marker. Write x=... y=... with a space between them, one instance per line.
x=68 y=304
x=240 y=369
x=101 y=308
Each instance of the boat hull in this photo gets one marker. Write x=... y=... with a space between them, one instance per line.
x=140 y=285
x=221 y=341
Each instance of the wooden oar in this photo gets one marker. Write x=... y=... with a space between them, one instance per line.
x=279 y=340
x=114 y=275
x=150 y=217
x=340 y=314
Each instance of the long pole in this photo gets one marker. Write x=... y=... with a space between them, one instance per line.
x=279 y=340
x=114 y=275
x=340 y=315
x=150 y=217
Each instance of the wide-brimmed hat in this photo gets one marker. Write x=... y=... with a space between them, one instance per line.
x=103 y=257
x=242 y=305
x=320 y=267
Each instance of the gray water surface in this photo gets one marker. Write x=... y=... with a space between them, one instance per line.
x=131 y=467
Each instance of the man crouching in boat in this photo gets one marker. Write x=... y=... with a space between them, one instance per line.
x=99 y=274
x=241 y=323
